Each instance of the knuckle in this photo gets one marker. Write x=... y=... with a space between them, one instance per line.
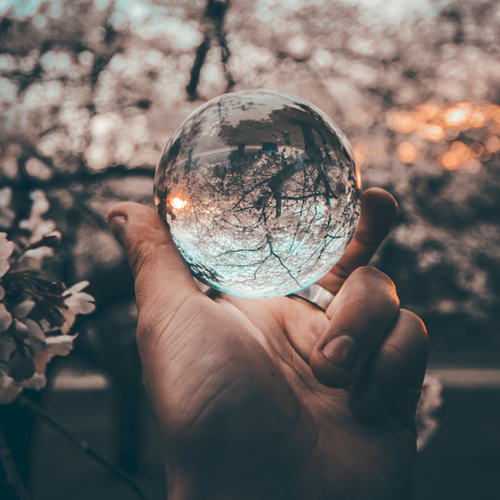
x=140 y=257
x=376 y=284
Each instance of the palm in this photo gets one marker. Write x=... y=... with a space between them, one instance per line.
x=294 y=437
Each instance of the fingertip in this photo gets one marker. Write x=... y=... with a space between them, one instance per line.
x=120 y=209
x=380 y=205
x=129 y=210
x=133 y=223
x=381 y=197
x=152 y=254
x=378 y=213
x=118 y=226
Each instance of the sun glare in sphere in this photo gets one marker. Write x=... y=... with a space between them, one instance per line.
x=178 y=203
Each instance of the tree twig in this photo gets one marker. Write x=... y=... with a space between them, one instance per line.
x=214 y=14
x=201 y=53
x=11 y=473
x=84 y=447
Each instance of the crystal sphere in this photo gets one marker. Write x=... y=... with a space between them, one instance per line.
x=260 y=191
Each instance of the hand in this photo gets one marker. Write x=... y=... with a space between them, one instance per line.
x=274 y=398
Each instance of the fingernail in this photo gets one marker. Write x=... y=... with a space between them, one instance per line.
x=371 y=395
x=341 y=351
x=118 y=226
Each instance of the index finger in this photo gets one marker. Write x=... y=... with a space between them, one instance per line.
x=153 y=256
x=378 y=212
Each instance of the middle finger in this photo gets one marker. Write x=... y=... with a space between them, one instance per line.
x=360 y=316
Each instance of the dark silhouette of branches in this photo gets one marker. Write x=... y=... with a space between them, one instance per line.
x=83 y=176
x=214 y=15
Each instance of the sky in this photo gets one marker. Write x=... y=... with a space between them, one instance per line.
x=394 y=11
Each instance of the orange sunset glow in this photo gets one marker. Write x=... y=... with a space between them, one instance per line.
x=434 y=123
x=429 y=123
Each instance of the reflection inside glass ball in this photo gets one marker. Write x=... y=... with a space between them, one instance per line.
x=260 y=191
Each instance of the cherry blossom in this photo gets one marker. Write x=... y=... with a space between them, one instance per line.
x=76 y=302
x=36 y=313
x=5 y=318
x=6 y=249
x=52 y=346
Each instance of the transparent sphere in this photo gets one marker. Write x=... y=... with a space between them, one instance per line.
x=260 y=191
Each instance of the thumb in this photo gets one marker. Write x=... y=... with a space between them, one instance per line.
x=162 y=277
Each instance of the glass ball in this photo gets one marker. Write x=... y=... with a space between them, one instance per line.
x=260 y=191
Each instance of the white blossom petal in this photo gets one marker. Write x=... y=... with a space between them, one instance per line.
x=37 y=382
x=77 y=301
x=36 y=332
x=7 y=347
x=4 y=266
x=40 y=202
x=24 y=308
x=70 y=317
x=54 y=346
x=43 y=352
x=60 y=345
x=2 y=292
x=9 y=389
x=5 y=318
x=80 y=303
x=6 y=247
x=33 y=259
x=77 y=287
x=5 y=197
x=45 y=325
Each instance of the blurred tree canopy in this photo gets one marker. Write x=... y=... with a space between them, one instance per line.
x=89 y=95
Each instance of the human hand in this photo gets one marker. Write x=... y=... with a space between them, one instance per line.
x=249 y=404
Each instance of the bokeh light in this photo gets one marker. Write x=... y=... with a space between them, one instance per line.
x=407 y=152
x=434 y=123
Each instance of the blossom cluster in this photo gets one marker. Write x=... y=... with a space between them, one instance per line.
x=36 y=315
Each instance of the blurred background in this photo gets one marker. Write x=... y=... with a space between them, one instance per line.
x=90 y=92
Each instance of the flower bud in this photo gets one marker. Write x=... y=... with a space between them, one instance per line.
x=55 y=317
x=21 y=364
x=21 y=331
x=51 y=239
x=51 y=313
x=55 y=287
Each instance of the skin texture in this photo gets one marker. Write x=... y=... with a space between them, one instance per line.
x=248 y=404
